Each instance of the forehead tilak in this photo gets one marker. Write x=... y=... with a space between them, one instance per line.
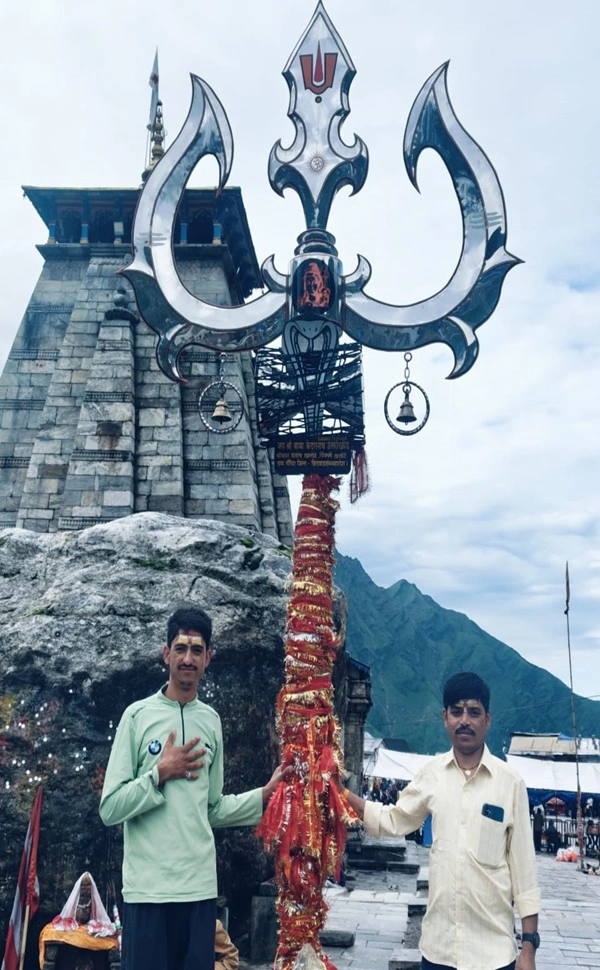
x=189 y=641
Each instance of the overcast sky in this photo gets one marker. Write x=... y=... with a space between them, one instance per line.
x=483 y=507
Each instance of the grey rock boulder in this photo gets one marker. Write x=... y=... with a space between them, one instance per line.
x=83 y=622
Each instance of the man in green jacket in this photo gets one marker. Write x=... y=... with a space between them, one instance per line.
x=164 y=781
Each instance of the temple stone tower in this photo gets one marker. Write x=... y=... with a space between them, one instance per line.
x=90 y=429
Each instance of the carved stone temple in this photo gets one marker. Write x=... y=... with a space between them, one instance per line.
x=90 y=428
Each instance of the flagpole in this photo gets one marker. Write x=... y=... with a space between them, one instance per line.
x=24 y=937
x=27 y=895
x=580 y=839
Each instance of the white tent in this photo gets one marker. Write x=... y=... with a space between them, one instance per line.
x=370 y=748
x=398 y=765
x=540 y=774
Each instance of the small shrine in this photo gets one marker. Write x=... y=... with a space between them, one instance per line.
x=82 y=937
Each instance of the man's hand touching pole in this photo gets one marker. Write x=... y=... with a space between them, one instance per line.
x=355 y=802
x=280 y=774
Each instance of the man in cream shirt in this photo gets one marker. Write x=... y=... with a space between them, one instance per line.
x=482 y=858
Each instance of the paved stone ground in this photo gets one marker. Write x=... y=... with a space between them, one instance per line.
x=377 y=912
x=570 y=918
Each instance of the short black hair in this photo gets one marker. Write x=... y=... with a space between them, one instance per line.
x=465 y=686
x=189 y=616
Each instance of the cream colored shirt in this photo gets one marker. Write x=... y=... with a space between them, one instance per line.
x=477 y=866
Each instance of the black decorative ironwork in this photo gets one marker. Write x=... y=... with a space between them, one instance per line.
x=293 y=401
x=312 y=387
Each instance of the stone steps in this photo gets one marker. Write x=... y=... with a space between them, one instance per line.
x=409 y=957
x=337 y=937
x=405 y=960
x=393 y=855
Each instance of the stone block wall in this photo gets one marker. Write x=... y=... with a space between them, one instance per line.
x=91 y=430
x=27 y=375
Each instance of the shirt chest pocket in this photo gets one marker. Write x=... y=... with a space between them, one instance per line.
x=487 y=841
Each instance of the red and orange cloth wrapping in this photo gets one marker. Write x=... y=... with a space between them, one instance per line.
x=307 y=818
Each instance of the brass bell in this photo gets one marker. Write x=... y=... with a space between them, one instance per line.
x=221 y=413
x=407 y=412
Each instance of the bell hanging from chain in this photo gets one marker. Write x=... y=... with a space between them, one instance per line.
x=221 y=413
x=407 y=412
x=406 y=415
x=223 y=418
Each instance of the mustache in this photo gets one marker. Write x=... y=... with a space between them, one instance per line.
x=466 y=731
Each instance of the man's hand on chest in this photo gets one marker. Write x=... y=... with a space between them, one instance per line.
x=182 y=761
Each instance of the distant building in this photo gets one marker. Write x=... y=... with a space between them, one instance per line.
x=554 y=747
x=90 y=429
x=371 y=746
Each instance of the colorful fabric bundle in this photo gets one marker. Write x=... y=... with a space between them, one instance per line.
x=307 y=817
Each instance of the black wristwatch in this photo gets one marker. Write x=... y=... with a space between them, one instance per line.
x=533 y=938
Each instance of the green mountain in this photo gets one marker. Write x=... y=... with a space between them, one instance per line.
x=413 y=645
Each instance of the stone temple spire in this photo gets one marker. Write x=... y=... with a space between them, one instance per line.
x=157 y=147
x=155 y=123
x=90 y=428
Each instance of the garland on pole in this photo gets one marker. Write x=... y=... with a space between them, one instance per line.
x=307 y=818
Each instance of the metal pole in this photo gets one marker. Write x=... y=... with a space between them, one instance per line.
x=24 y=937
x=580 y=839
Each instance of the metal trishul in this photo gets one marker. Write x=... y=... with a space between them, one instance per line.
x=318 y=162
x=314 y=303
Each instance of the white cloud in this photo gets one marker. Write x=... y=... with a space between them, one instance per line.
x=482 y=508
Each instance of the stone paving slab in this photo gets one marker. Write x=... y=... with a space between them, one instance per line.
x=377 y=911
x=423 y=879
x=570 y=917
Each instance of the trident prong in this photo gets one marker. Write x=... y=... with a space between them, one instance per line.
x=471 y=295
x=163 y=300
x=317 y=163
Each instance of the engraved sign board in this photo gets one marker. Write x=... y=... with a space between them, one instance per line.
x=326 y=455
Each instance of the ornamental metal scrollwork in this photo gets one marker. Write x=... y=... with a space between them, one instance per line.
x=315 y=306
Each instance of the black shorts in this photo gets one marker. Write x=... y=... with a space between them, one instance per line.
x=169 y=936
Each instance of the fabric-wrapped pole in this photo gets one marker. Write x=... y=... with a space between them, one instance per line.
x=307 y=818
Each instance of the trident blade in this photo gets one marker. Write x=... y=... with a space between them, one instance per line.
x=318 y=163
x=471 y=295
x=164 y=302
x=205 y=131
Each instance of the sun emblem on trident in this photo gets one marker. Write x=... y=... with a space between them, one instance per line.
x=309 y=386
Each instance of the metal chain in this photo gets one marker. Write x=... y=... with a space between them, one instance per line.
x=407 y=358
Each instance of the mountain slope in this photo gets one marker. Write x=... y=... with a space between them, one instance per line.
x=413 y=645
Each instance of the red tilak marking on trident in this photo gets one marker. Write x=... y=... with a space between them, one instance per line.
x=315 y=79
x=319 y=67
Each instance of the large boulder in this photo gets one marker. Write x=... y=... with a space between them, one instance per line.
x=83 y=622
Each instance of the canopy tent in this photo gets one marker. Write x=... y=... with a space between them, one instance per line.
x=545 y=778
x=370 y=747
x=398 y=765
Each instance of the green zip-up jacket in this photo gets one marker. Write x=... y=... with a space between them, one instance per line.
x=169 y=850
